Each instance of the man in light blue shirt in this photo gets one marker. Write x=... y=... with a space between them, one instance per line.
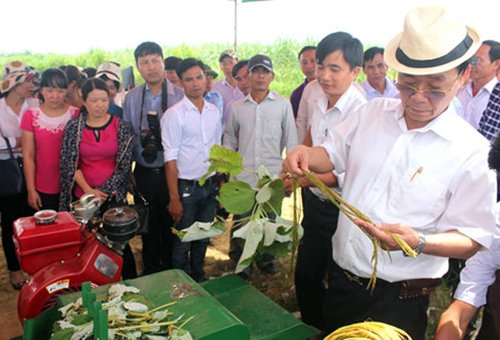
x=189 y=130
x=154 y=96
x=377 y=84
x=212 y=96
x=226 y=87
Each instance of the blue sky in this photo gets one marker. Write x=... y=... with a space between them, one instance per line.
x=73 y=26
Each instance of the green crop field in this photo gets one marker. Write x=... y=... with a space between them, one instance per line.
x=283 y=53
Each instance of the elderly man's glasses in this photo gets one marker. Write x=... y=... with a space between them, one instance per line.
x=434 y=94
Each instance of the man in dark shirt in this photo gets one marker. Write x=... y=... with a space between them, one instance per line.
x=307 y=59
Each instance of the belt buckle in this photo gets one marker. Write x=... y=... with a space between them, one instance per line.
x=353 y=278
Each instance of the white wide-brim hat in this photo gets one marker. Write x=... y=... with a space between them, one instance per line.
x=433 y=40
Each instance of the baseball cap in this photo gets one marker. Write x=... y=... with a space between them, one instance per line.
x=260 y=60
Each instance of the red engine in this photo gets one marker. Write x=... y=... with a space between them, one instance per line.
x=38 y=245
x=64 y=253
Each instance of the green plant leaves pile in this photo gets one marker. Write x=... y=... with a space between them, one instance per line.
x=257 y=205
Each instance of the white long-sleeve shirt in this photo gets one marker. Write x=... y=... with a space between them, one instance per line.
x=188 y=135
x=479 y=272
x=434 y=179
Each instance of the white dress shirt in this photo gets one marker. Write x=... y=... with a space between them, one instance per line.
x=390 y=91
x=187 y=136
x=434 y=179
x=474 y=106
x=323 y=119
x=260 y=132
x=10 y=125
x=306 y=107
x=479 y=272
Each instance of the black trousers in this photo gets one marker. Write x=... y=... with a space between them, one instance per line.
x=11 y=208
x=314 y=256
x=349 y=302
x=157 y=243
x=129 y=270
x=49 y=201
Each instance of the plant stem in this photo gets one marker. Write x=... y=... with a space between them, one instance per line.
x=352 y=212
x=159 y=324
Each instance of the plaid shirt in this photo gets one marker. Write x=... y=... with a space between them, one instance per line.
x=489 y=124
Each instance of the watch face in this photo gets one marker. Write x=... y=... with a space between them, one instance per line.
x=421 y=243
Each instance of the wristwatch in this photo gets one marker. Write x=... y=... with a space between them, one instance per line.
x=420 y=245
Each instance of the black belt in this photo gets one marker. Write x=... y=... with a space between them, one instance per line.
x=157 y=171
x=407 y=289
x=209 y=181
x=325 y=202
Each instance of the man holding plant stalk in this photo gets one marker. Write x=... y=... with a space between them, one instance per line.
x=339 y=57
x=416 y=169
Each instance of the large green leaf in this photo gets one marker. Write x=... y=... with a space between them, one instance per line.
x=223 y=160
x=237 y=197
x=274 y=204
x=200 y=230
x=254 y=235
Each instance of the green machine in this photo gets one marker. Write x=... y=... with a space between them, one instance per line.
x=223 y=308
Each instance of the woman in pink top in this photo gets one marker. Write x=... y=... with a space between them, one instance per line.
x=42 y=137
x=97 y=155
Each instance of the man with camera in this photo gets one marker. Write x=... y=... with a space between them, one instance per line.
x=143 y=108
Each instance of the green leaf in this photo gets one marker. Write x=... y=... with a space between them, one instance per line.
x=263 y=195
x=264 y=176
x=63 y=334
x=81 y=319
x=275 y=203
x=253 y=239
x=270 y=229
x=223 y=160
x=201 y=230
x=237 y=197
x=263 y=173
x=278 y=249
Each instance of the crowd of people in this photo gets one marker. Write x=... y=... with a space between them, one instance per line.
x=412 y=154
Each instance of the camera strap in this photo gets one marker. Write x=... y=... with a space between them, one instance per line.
x=164 y=101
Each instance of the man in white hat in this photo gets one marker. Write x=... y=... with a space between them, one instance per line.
x=417 y=170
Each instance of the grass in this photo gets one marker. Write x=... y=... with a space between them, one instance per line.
x=282 y=52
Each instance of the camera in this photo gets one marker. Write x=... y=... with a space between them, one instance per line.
x=151 y=139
